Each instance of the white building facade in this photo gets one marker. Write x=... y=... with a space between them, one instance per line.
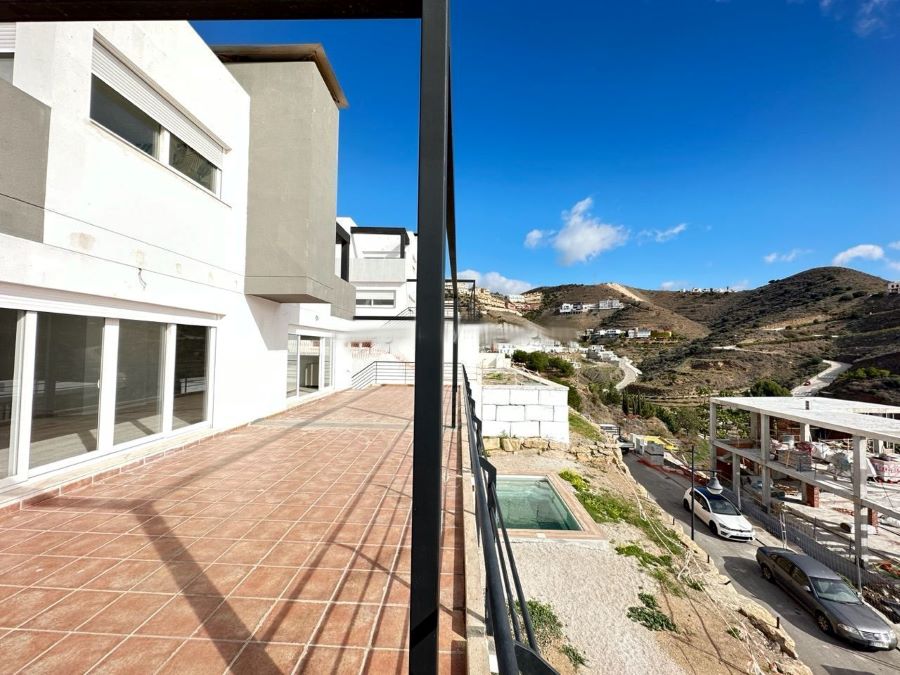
x=124 y=317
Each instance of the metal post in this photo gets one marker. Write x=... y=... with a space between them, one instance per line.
x=765 y=447
x=451 y=245
x=736 y=477
x=692 y=493
x=860 y=488
x=455 y=356
x=428 y=430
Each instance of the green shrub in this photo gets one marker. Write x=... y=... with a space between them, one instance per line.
x=560 y=365
x=584 y=428
x=576 y=658
x=649 y=614
x=578 y=482
x=547 y=626
x=766 y=387
x=574 y=399
x=538 y=361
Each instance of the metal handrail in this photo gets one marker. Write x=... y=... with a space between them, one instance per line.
x=501 y=575
x=389 y=372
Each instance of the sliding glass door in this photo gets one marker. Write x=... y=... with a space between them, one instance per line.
x=191 y=379
x=9 y=319
x=310 y=351
x=293 y=349
x=309 y=364
x=66 y=387
x=93 y=384
x=139 y=380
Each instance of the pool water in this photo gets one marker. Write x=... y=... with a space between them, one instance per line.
x=529 y=503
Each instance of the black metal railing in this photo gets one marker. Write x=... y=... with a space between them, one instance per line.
x=385 y=372
x=507 y=617
x=390 y=372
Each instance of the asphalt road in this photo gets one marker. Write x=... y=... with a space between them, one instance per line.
x=737 y=561
x=821 y=380
x=631 y=374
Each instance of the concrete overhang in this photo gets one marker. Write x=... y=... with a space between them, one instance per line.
x=854 y=418
x=313 y=52
x=341 y=296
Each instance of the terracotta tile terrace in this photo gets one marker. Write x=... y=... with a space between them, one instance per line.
x=282 y=546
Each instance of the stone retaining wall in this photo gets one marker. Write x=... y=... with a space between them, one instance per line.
x=526 y=411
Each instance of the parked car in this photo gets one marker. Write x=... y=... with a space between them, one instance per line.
x=721 y=516
x=838 y=609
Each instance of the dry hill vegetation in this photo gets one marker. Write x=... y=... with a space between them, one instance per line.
x=725 y=342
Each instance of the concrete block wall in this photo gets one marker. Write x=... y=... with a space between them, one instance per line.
x=538 y=410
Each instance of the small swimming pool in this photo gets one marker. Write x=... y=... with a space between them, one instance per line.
x=531 y=503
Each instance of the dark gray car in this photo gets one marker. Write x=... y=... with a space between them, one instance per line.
x=836 y=606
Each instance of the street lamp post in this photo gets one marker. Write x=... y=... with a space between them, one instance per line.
x=713 y=485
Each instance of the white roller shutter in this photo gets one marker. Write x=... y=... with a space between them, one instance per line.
x=7 y=37
x=129 y=84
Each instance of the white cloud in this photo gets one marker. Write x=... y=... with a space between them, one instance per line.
x=494 y=281
x=868 y=16
x=871 y=16
x=673 y=285
x=741 y=285
x=662 y=236
x=790 y=256
x=585 y=236
x=671 y=233
x=864 y=251
x=894 y=245
x=894 y=265
x=536 y=237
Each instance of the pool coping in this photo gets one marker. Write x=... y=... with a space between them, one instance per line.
x=589 y=529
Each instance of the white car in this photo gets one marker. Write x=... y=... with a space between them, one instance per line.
x=720 y=515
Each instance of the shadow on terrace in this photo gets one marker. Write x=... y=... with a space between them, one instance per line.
x=277 y=547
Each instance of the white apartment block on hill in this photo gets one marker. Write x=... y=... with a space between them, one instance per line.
x=155 y=280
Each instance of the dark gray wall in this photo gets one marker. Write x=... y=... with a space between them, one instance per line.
x=24 y=139
x=292 y=197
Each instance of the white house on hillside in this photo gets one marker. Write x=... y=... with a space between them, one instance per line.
x=156 y=278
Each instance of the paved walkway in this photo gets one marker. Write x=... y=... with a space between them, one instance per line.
x=280 y=547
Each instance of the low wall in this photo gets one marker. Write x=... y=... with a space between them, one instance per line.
x=526 y=410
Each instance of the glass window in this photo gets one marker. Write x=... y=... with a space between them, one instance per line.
x=8 y=321
x=123 y=118
x=326 y=362
x=800 y=577
x=292 y=364
x=835 y=590
x=310 y=350
x=191 y=380
x=723 y=507
x=66 y=387
x=6 y=67
x=191 y=163
x=139 y=380
x=784 y=564
x=375 y=298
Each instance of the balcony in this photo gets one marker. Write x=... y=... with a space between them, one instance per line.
x=277 y=547
x=391 y=270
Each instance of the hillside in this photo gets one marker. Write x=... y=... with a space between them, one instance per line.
x=725 y=342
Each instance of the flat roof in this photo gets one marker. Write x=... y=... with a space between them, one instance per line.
x=857 y=418
x=313 y=52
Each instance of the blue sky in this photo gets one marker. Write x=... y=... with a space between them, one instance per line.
x=657 y=143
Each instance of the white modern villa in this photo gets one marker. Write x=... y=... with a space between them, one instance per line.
x=158 y=279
